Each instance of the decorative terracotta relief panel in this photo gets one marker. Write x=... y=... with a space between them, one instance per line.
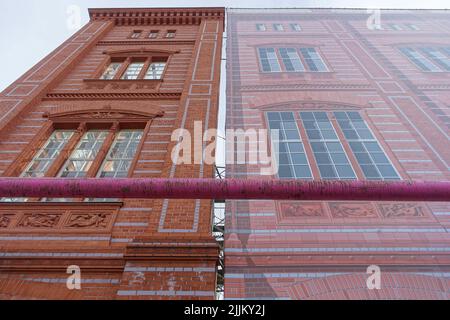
x=402 y=210
x=57 y=217
x=352 y=210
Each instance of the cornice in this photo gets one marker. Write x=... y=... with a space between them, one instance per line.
x=113 y=96
x=306 y=86
x=157 y=16
x=145 y=42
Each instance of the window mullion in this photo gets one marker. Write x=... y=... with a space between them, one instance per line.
x=143 y=72
x=92 y=172
x=139 y=148
x=122 y=69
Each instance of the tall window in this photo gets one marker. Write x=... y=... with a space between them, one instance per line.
x=294 y=60
x=260 y=27
x=278 y=27
x=370 y=156
x=291 y=59
x=328 y=151
x=121 y=154
x=111 y=71
x=292 y=158
x=296 y=27
x=438 y=57
x=155 y=71
x=313 y=59
x=269 y=60
x=133 y=71
x=81 y=159
x=47 y=154
x=419 y=60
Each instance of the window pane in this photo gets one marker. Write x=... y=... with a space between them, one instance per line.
x=269 y=60
x=326 y=146
x=313 y=59
x=292 y=158
x=84 y=154
x=260 y=27
x=419 y=60
x=438 y=57
x=373 y=161
x=133 y=71
x=111 y=71
x=155 y=71
x=291 y=59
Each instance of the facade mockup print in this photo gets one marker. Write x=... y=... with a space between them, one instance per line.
x=350 y=102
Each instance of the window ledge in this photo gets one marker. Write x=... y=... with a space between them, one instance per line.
x=141 y=85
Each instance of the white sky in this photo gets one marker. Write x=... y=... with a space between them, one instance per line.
x=30 y=29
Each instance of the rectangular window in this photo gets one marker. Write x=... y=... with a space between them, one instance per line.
x=136 y=34
x=291 y=59
x=111 y=71
x=260 y=27
x=412 y=26
x=328 y=151
x=395 y=26
x=81 y=159
x=313 y=59
x=278 y=27
x=155 y=71
x=269 y=60
x=419 y=60
x=293 y=162
x=296 y=27
x=47 y=154
x=133 y=71
x=368 y=152
x=121 y=154
x=153 y=34
x=437 y=57
x=171 y=34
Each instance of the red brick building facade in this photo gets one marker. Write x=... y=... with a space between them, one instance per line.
x=105 y=104
x=353 y=99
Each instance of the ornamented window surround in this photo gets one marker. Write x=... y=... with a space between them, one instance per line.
x=127 y=57
x=81 y=121
x=330 y=107
x=329 y=73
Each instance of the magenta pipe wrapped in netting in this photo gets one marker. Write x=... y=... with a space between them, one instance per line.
x=225 y=189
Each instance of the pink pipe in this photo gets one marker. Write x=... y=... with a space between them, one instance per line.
x=225 y=189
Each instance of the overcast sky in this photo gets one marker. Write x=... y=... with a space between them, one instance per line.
x=30 y=29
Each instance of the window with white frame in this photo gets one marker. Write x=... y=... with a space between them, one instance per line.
x=136 y=34
x=313 y=59
x=395 y=26
x=278 y=27
x=438 y=56
x=370 y=156
x=330 y=156
x=412 y=26
x=269 y=60
x=294 y=60
x=260 y=27
x=416 y=57
x=296 y=27
x=291 y=59
x=293 y=162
